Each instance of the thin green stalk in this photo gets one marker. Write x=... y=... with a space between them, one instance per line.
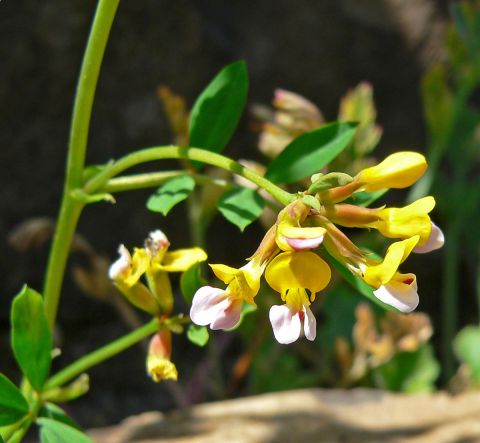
x=170 y=152
x=87 y=84
x=153 y=179
x=70 y=209
x=100 y=355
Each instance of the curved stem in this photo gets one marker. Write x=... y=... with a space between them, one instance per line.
x=101 y=354
x=70 y=209
x=153 y=179
x=169 y=152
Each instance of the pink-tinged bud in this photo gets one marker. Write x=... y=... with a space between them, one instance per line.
x=215 y=307
x=400 y=292
x=159 y=366
x=435 y=241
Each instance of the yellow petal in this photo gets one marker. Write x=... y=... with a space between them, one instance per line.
x=224 y=272
x=182 y=259
x=160 y=368
x=300 y=269
x=140 y=263
x=408 y=221
x=398 y=170
x=159 y=284
x=308 y=232
x=397 y=253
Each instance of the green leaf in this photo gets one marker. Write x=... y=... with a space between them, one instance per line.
x=55 y=412
x=241 y=206
x=217 y=110
x=198 y=335
x=467 y=346
x=190 y=281
x=356 y=282
x=31 y=336
x=170 y=194
x=53 y=431
x=13 y=405
x=409 y=371
x=310 y=152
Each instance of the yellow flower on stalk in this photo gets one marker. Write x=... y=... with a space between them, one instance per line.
x=292 y=274
x=392 y=287
x=221 y=308
x=402 y=223
x=159 y=365
x=406 y=222
x=399 y=170
x=162 y=261
x=126 y=273
x=155 y=261
x=291 y=235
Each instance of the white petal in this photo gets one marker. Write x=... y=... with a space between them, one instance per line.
x=300 y=244
x=229 y=316
x=158 y=237
x=309 y=323
x=401 y=296
x=208 y=303
x=120 y=267
x=285 y=324
x=435 y=241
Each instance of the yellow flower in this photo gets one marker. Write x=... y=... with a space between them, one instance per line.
x=155 y=261
x=392 y=287
x=381 y=273
x=291 y=274
x=125 y=274
x=391 y=222
x=398 y=170
x=221 y=308
x=159 y=365
x=291 y=235
x=406 y=222
x=161 y=261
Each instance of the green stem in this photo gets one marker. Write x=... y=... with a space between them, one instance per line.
x=153 y=179
x=100 y=355
x=87 y=84
x=169 y=152
x=70 y=209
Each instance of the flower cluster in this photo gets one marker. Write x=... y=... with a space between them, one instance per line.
x=154 y=261
x=291 y=267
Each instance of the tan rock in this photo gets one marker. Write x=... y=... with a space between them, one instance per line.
x=311 y=415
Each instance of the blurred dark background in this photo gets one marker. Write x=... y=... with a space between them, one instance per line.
x=317 y=49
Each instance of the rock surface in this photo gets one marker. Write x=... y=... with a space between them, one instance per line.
x=311 y=415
